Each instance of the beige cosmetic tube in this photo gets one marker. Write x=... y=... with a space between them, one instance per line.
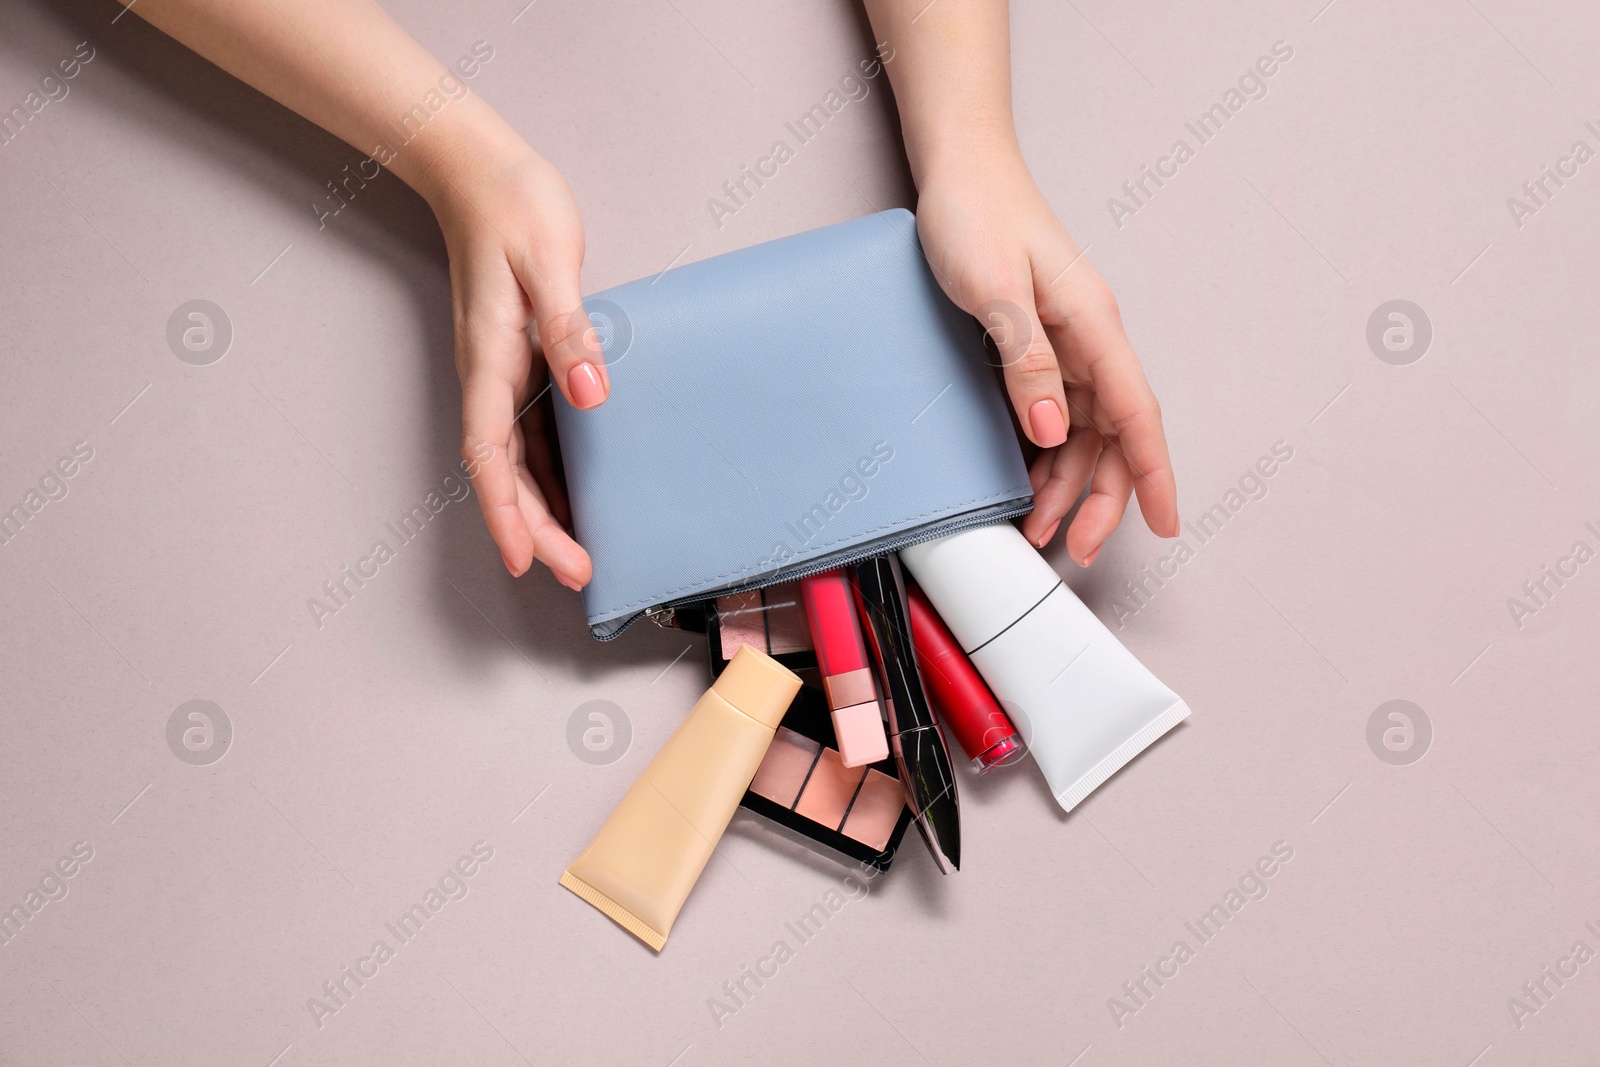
x=639 y=868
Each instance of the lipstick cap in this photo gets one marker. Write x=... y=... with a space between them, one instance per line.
x=981 y=580
x=757 y=685
x=859 y=729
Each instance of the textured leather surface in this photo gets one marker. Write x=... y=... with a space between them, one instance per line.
x=777 y=405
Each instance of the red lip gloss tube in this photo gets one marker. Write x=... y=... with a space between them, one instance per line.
x=847 y=677
x=964 y=701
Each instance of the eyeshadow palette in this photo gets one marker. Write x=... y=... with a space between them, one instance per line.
x=803 y=784
x=802 y=776
x=771 y=620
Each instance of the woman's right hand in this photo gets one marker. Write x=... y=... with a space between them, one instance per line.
x=516 y=245
x=509 y=221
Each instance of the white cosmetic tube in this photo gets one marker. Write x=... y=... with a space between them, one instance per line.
x=1082 y=702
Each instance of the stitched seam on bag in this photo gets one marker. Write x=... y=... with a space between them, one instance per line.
x=668 y=594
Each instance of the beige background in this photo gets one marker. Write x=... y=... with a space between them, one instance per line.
x=369 y=754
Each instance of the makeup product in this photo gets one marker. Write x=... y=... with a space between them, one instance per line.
x=639 y=868
x=804 y=785
x=846 y=673
x=769 y=620
x=965 y=705
x=1084 y=704
x=914 y=738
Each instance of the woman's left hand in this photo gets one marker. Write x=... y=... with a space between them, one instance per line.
x=1077 y=388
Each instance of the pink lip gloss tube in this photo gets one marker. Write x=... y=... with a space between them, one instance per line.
x=847 y=676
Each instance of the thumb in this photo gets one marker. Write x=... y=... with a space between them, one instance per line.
x=1033 y=374
x=568 y=339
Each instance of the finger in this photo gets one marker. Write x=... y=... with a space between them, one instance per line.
x=551 y=544
x=1033 y=375
x=1102 y=509
x=487 y=409
x=571 y=346
x=1129 y=414
x=1058 y=477
x=544 y=461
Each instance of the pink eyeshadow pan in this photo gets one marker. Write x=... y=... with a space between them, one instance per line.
x=876 y=810
x=742 y=622
x=829 y=791
x=785 y=768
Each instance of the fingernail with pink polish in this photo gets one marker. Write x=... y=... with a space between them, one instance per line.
x=510 y=566
x=1091 y=557
x=568 y=582
x=585 y=387
x=1049 y=534
x=1049 y=428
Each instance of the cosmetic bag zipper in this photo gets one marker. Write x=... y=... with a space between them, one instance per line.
x=662 y=614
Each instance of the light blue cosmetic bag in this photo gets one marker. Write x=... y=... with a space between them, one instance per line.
x=779 y=411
